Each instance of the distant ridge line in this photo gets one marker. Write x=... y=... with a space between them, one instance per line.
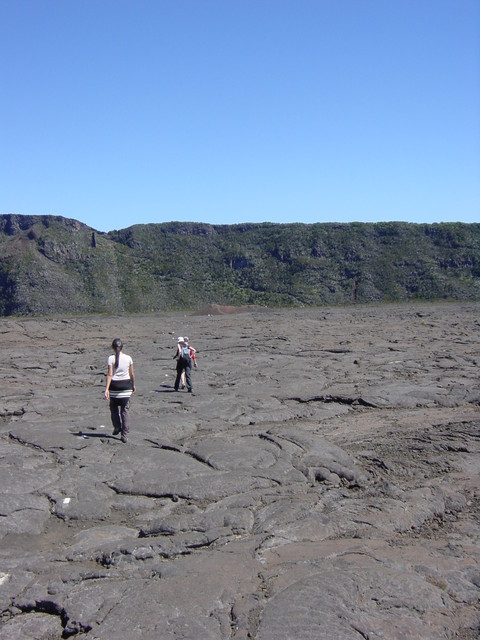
x=52 y=264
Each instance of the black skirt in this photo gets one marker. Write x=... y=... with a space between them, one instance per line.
x=121 y=385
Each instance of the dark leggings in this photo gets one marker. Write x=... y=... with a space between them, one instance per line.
x=181 y=366
x=119 y=413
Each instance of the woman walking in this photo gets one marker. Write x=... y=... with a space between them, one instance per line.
x=119 y=388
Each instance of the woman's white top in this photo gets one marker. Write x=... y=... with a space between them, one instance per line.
x=121 y=385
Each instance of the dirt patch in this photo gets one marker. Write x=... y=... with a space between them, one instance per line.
x=218 y=309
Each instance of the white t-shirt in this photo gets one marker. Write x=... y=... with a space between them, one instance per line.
x=124 y=362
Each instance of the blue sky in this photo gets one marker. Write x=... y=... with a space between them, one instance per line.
x=118 y=112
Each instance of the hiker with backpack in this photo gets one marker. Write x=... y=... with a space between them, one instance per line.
x=193 y=356
x=180 y=340
x=193 y=353
x=184 y=363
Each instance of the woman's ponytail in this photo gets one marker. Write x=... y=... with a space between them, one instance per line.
x=117 y=346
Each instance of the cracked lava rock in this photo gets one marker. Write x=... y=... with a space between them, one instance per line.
x=322 y=481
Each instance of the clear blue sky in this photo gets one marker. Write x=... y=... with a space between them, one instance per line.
x=117 y=112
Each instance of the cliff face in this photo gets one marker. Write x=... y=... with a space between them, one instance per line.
x=52 y=264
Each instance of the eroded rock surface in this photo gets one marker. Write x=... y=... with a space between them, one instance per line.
x=321 y=482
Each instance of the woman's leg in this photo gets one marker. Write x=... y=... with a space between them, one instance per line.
x=114 y=415
x=188 y=373
x=125 y=416
x=179 y=375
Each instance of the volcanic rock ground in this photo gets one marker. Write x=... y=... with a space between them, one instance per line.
x=322 y=482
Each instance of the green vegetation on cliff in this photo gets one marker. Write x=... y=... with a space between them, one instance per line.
x=52 y=264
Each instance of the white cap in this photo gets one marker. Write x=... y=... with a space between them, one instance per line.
x=180 y=339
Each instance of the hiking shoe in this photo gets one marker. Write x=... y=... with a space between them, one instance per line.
x=124 y=440
x=116 y=432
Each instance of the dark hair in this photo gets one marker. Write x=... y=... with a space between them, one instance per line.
x=117 y=346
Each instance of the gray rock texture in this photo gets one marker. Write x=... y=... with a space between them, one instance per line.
x=322 y=481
